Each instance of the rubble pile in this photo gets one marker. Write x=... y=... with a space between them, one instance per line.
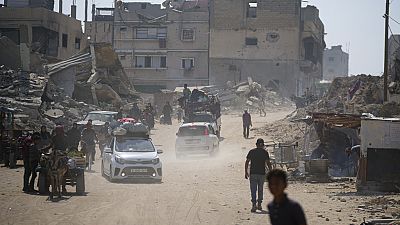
x=355 y=95
x=99 y=76
x=251 y=95
x=37 y=100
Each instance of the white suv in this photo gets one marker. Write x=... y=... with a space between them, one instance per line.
x=196 y=138
x=131 y=157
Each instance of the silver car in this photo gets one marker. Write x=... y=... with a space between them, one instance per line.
x=131 y=157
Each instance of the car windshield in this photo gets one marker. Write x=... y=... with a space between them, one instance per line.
x=134 y=145
x=192 y=131
x=203 y=118
x=99 y=116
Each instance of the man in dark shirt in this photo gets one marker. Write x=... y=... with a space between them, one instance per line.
x=31 y=161
x=246 y=124
x=59 y=139
x=89 y=139
x=73 y=137
x=282 y=210
x=257 y=158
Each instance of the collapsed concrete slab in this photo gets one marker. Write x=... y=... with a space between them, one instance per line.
x=93 y=76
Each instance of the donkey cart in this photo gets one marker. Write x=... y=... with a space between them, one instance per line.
x=75 y=176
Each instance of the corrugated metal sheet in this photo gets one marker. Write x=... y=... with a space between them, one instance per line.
x=18 y=3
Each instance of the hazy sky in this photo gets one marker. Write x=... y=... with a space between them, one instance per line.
x=358 y=25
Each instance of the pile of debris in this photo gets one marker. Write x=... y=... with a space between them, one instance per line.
x=251 y=95
x=94 y=76
x=68 y=90
x=355 y=95
x=37 y=100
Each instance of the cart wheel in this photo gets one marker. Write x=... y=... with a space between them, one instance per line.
x=80 y=184
x=43 y=183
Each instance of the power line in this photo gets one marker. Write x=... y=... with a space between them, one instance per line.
x=394 y=20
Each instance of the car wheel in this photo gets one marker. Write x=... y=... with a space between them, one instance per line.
x=111 y=176
x=102 y=169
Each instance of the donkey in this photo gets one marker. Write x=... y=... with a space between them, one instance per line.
x=57 y=169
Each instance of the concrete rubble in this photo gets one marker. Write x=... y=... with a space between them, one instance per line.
x=348 y=97
x=249 y=95
x=70 y=89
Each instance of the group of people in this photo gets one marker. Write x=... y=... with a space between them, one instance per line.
x=148 y=114
x=40 y=142
x=282 y=209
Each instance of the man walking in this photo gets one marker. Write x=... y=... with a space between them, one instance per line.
x=167 y=110
x=246 y=124
x=257 y=158
x=89 y=139
x=31 y=161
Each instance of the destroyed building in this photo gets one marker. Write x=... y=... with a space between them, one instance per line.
x=277 y=43
x=336 y=63
x=159 y=47
x=34 y=27
x=394 y=68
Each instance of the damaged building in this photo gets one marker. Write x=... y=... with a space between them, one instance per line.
x=34 y=27
x=277 y=43
x=159 y=47
x=394 y=68
x=336 y=63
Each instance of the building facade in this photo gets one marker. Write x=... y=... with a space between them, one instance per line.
x=336 y=63
x=394 y=57
x=53 y=34
x=101 y=28
x=163 y=47
x=268 y=41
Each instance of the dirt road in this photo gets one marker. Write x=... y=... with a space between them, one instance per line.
x=193 y=191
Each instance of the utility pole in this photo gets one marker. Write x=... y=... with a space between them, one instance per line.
x=386 y=62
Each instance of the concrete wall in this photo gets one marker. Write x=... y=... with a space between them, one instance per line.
x=99 y=31
x=336 y=63
x=65 y=80
x=272 y=58
x=128 y=45
x=40 y=17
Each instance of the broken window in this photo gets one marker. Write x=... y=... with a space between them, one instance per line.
x=147 y=61
x=187 y=34
x=162 y=43
x=122 y=57
x=139 y=61
x=163 y=62
x=151 y=33
x=151 y=61
x=187 y=63
x=123 y=29
x=77 y=43
x=252 y=10
x=64 y=40
x=251 y=41
x=162 y=32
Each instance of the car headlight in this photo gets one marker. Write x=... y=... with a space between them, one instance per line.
x=155 y=161
x=119 y=160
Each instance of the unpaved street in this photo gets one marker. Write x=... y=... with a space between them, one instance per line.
x=198 y=190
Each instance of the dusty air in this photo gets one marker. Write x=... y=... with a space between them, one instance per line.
x=186 y=112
